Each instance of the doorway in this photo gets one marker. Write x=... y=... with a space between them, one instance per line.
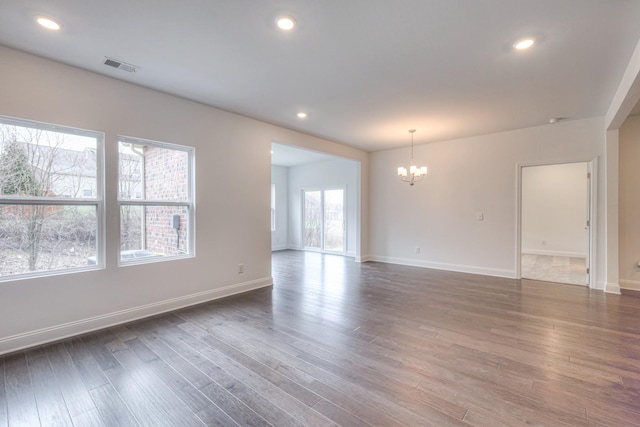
x=555 y=223
x=324 y=220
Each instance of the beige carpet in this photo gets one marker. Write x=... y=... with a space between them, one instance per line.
x=554 y=269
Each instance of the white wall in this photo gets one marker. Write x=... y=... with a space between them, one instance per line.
x=232 y=215
x=554 y=210
x=322 y=175
x=468 y=176
x=280 y=178
x=629 y=204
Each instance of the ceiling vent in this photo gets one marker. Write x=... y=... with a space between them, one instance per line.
x=120 y=65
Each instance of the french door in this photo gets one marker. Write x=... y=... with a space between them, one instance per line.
x=324 y=225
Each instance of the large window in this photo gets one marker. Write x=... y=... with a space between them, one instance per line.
x=50 y=199
x=156 y=200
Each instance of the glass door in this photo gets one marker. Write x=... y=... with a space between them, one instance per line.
x=333 y=220
x=313 y=219
x=324 y=225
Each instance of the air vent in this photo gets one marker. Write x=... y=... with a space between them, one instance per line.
x=120 y=65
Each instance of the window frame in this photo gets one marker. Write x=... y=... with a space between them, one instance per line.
x=189 y=204
x=273 y=207
x=96 y=201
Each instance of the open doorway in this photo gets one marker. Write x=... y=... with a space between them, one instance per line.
x=315 y=201
x=555 y=242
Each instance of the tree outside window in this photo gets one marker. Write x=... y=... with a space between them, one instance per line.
x=45 y=224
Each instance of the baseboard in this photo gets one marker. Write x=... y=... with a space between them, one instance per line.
x=612 y=288
x=66 y=330
x=632 y=285
x=279 y=248
x=554 y=253
x=363 y=258
x=509 y=274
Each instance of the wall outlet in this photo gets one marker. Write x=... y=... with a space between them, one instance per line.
x=240 y=268
x=544 y=243
x=480 y=216
x=417 y=250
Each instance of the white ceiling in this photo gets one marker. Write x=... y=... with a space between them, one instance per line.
x=365 y=71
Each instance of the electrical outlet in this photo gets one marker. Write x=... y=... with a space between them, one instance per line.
x=479 y=216
x=544 y=243
x=417 y=250
x=240 y=268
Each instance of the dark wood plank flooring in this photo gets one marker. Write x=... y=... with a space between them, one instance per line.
x=335 y=343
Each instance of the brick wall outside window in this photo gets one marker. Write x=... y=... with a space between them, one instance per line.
x=166 y=178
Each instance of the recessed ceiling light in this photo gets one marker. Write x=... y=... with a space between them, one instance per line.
x=524 y=44
x=286 y=23
x=48 y=23
x=302 y=115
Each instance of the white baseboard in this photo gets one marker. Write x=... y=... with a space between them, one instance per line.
x=279 y=248
x=66 y=330
x=554 y=253
x=612 y=288
x=509 y=274
x=363 y=258
x=632 y=285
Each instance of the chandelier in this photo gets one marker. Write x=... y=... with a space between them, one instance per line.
x=416 y=174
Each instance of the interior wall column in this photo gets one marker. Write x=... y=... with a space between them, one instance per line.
x=612 y=176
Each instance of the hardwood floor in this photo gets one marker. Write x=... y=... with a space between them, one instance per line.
x=339 y=343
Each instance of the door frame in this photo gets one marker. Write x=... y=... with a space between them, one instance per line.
x=592 y=194
x=344 y=218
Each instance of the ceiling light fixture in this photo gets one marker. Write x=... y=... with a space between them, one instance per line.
x=416 y=174
x=48 y=23
x=286 y=23
x=524 y=44
x=301 y=115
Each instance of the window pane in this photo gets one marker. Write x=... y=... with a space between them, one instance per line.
x=312 y=219
x=150 y=231
x=152 y=172
x=44 y=163
x=36 y=238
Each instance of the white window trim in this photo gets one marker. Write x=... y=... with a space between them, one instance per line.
x=189 y=203
x=97 y=201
